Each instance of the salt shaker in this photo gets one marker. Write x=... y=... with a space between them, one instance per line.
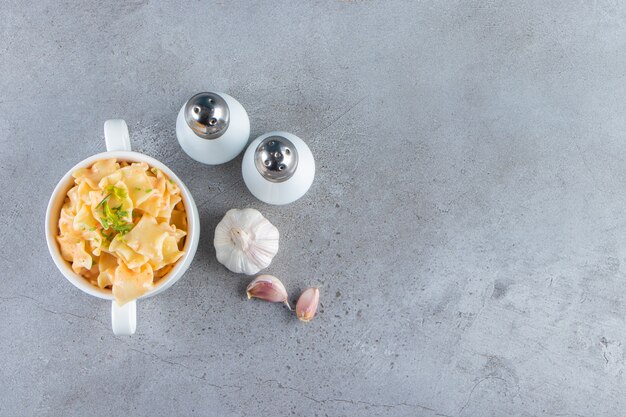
x=278 y=167
x=212 y=128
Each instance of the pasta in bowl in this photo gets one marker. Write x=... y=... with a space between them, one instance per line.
x=122 y=226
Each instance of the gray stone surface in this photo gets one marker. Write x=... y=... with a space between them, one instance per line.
x=466 y=224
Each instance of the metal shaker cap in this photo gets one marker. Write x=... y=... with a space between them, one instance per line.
x=207 y=114
x=276 y=158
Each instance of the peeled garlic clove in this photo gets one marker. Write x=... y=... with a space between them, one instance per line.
x=307 y=304
x=245 y=241
x=268 y=288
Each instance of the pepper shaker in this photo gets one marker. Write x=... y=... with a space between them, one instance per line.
x=212 y=128
x=278 y=167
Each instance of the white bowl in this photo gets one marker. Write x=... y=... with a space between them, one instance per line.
x=118 y=146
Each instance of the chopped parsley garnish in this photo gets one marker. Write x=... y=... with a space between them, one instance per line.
x=118 y=192
x=113 y=217
x=149 y=190
x=103 y=200
x=108 y=236
x=112 y=190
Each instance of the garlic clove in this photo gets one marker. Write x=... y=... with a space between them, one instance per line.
x=307 y=304
x=268 y=288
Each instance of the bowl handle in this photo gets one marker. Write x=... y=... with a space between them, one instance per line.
x=124 y=318
x=116 y=135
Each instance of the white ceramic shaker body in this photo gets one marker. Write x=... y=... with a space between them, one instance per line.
x=226 y=142
x=278 y=167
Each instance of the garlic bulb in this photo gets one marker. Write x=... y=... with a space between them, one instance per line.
x=245 y=241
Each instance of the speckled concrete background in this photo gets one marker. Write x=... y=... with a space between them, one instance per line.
x=466 y=224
